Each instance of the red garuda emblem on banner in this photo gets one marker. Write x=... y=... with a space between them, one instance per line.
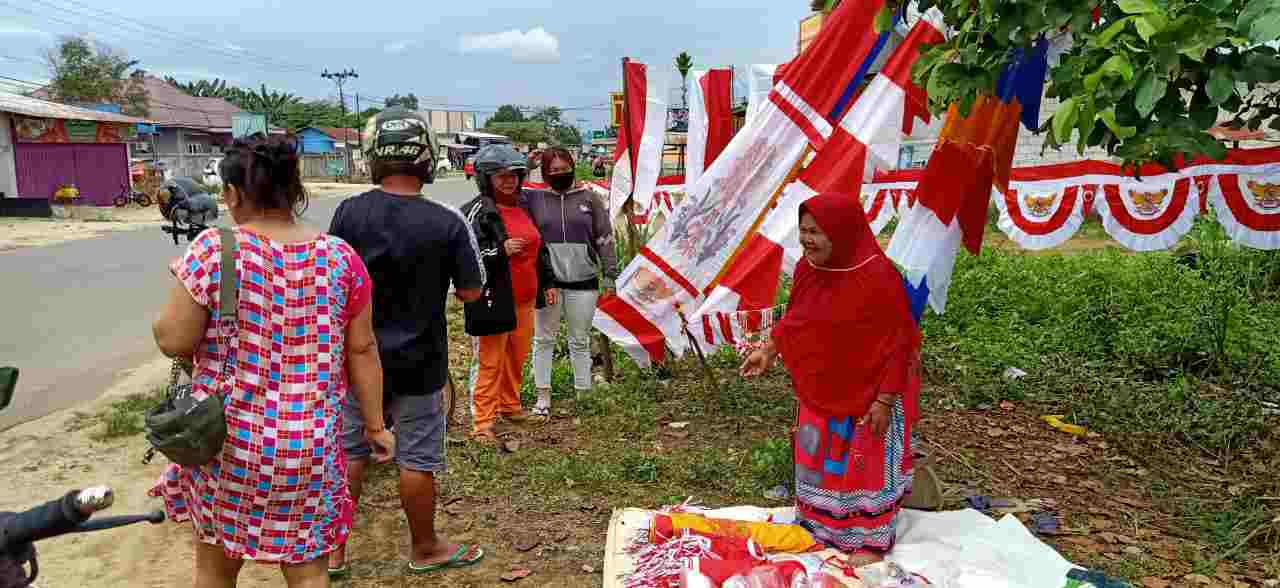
x=1148 y=203
x=1266 y=195
x=1039 y=206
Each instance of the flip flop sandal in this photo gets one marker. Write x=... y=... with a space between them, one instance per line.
x=340 y=572
x=457 y=560
x=541 y=412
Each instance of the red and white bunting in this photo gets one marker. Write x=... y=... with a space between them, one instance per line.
x=1041 y=216
x=1151 y=214
x=1244 y=193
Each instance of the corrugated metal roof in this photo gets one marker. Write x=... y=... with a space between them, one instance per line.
x=171 y=107
x=18 y=104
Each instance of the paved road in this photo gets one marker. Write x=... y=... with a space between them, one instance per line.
x=73 y=315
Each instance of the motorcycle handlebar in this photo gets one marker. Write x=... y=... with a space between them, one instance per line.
x=69 y=514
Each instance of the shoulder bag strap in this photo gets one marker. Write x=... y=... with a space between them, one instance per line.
x=228 y=305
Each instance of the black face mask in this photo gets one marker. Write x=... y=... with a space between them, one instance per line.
x=560 y=182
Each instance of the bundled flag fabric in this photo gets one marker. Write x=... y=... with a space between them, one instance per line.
x=868 y=136
x=972 y=154
x=710 y=119
x=664 y=285
x=637 y=156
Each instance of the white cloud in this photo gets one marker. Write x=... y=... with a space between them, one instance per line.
x=534 y=46
x=234 y=47
x=399 y=46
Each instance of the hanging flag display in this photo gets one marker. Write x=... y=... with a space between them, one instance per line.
x=867 y=136
x=973 y=153
x=1046 y=205
x=759 y=84
x=661 y=288
x=638 y=154
x=710 y=119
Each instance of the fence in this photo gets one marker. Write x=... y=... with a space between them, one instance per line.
x=324 y=165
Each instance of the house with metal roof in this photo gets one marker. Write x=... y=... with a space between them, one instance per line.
x=45 y=145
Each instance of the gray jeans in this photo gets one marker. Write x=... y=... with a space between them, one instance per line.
x=577 y=307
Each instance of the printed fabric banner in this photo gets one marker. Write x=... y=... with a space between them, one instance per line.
x=662 y=287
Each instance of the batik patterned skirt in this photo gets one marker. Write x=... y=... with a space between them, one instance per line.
x=850 y=483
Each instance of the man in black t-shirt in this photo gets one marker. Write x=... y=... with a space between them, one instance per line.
x=414 y=247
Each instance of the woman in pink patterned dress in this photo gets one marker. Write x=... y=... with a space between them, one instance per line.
x=277 y=493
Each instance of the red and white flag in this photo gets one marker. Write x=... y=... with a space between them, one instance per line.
x=637 y=157
x=710 y=119
x=660 y=290
x=867 y=136
x=759 y=83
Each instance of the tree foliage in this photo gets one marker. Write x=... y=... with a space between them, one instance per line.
x=409 y=101
x=1145 y=80
x=88 y=72
x=276 y=105
x=507 y=113
x=526 y=132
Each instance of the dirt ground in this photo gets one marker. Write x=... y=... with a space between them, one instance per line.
x=89 y=222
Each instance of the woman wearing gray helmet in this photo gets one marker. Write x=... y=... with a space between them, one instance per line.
x=519 y=279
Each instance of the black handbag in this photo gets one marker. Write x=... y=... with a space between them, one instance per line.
x=191 y=432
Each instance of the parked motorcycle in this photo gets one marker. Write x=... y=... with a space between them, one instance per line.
x=71 y=513
x=190 y=209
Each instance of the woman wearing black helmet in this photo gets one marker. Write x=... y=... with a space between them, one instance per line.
x=519 y=279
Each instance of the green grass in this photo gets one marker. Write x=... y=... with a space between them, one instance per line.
x=123 y=418
x=1133 y=344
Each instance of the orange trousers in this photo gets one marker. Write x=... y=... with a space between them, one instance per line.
x=498 y=370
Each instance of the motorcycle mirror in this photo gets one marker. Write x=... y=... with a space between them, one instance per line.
x=8 y=382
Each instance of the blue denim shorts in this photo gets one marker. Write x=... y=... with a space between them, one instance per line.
x=418 y=422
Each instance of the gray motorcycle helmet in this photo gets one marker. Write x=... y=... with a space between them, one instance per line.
x=496 y=159
x=401 y=141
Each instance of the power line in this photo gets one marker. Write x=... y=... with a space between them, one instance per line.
x=181 y=44
x=148 y=27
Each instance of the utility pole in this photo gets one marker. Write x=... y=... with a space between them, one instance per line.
x=340 y=78
x=359 y=126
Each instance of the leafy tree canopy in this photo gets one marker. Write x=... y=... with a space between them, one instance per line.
x=88 y=72
x=507 y=113
x=1145 y=80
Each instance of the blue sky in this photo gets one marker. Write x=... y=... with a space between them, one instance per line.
x=449 y=52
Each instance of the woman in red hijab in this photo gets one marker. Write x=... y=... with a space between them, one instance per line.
x=850 y=343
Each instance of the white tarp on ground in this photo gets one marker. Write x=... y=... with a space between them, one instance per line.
x=955 y=549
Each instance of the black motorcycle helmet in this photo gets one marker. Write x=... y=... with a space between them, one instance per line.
x=495 y=159
x=401 y=142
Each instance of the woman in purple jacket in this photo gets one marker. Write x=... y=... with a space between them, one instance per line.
x=575 y=227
